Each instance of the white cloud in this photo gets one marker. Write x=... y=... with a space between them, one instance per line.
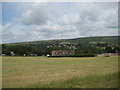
x=36 y=14
x=69 y=19
x=39 y=22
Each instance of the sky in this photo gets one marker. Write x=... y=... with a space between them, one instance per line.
x=33 y=21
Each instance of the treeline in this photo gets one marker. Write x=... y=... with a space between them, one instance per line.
x=44 y=49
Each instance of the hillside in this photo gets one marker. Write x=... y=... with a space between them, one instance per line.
x=83 y=40
x=105 y=39
x=89 y=45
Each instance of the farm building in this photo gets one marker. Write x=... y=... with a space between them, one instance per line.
x=107 y=54
x=63 y=53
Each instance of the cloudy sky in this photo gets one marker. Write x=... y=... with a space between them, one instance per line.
x=57 y=20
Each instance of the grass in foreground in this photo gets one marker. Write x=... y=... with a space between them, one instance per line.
x=93 y=81
x=59 y=72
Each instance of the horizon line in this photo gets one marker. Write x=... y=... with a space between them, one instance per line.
x=59 y=39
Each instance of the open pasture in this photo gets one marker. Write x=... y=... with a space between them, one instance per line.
x=43 y=72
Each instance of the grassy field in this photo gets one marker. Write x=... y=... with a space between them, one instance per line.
x=43 y=72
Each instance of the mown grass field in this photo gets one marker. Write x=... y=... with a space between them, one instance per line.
x=41 y=72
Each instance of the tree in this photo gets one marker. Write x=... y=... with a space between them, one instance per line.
x=108 y=49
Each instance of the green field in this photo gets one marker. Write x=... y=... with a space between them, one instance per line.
x=43 y=72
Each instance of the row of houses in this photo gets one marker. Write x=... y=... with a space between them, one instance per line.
x=54 y=53
x=65 y=53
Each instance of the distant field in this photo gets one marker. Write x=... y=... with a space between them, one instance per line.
x=41 y=72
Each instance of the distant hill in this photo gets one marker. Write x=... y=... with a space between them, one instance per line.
x=104 y=39
x=83 y=40
x=86 y=45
